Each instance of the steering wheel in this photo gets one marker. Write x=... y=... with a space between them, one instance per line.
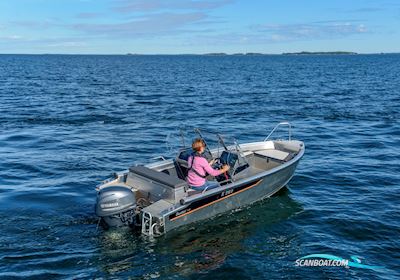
x=218 y=165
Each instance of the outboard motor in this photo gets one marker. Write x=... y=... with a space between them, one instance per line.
x=116 y=205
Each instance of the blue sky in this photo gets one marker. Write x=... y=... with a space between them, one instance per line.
x=198 y=26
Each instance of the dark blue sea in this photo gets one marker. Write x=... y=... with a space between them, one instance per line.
x=68 y=121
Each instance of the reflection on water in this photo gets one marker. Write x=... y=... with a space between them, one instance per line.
x=194 y=248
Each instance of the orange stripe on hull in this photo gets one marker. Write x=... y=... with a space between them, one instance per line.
x=215 y=201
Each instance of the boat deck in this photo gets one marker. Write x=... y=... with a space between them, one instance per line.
x=248 y=172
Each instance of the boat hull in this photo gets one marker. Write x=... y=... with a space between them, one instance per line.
x=242 y=195
x=270 y=166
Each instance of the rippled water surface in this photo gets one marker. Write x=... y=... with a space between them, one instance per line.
x=67 y=122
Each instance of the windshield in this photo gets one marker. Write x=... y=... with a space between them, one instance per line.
x=182 y=139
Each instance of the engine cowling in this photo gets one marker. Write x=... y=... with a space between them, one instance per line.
x=116 y=205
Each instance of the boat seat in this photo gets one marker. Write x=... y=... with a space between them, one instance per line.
x=180 y=171
x=181 y=162
x=274 y=154
x=159 y=177
x=246 y=153
x=184 y=154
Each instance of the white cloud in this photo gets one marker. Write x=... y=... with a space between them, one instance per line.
x=150 y=25
x=68 y=44
x=315 y=30
x=88 y=15
x=279 y=33
x=11 y=38
x=126 y=6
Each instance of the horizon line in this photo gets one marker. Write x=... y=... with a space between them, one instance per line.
x=217 y=53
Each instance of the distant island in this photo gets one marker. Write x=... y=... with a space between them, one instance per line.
x=235 y=54
x=288 y=53
x=217 y=54
x=259 y=54
x=318 y=53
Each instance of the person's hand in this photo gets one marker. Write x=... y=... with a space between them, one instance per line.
x=212 y=162
x=225 y=168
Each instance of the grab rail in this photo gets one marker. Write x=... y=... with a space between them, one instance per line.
x=278 y=125
x=158 y=157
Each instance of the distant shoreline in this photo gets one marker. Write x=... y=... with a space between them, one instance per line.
x=212 y=54
x=288 y=53
x=321 y=53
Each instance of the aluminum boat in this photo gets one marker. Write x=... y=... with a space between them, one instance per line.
x=155 y=198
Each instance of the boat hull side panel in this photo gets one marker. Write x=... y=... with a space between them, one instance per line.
x=245 y=195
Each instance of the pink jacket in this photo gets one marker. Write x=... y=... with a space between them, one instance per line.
x=202 y=167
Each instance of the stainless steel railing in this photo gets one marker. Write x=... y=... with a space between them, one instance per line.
x=276 y=127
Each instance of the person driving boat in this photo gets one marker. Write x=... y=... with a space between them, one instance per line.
x=199 y=167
